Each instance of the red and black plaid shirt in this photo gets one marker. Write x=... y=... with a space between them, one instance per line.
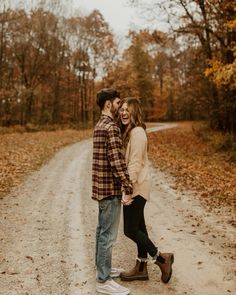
x=109 y=171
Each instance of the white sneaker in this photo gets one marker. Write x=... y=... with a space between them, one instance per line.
x=110 y=287
x=115 y=272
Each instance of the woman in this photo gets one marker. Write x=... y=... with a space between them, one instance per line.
x=135 y=144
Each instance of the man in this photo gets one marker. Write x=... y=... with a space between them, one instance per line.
x=110 y=179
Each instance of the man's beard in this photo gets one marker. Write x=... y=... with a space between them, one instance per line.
x=114 y=112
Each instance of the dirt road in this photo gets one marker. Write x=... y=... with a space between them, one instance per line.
x=47 y=235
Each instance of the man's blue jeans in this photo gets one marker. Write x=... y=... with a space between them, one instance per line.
x=106 y=234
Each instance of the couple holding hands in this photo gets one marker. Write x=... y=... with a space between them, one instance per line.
x=120 y=175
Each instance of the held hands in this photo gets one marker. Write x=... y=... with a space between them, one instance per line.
x=126 y=199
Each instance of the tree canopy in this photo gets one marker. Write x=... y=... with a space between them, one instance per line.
x=52 y=65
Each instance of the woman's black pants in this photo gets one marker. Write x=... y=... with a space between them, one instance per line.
x=135 y=227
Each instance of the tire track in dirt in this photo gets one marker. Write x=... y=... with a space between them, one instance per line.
x=48 y=235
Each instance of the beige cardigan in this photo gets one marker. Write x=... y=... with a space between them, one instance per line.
x=137 y=162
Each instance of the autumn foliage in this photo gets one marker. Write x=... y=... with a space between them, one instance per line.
x=22 y=153
x=48 y=65
x=193 y=161
x=52 y=64
x=187 y=73
x=196 y=166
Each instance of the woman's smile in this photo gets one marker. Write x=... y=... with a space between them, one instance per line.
x=124 y=114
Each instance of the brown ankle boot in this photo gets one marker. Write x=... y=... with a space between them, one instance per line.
x=165 y=261
x=139 y=272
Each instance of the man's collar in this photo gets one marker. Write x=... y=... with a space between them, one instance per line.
x=109 y=116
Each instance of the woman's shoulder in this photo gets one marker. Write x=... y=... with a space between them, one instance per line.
x=138 y=130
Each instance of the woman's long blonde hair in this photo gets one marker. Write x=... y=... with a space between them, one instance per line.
x=136 y=118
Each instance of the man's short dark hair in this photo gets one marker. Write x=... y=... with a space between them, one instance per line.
x=106 y=94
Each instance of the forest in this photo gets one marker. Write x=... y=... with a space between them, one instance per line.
x=51 y=65
x=181 y=65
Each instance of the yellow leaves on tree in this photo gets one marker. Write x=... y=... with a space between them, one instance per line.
x=222 y=75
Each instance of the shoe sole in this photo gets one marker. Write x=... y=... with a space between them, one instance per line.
x=135 y=278
x=118 y=293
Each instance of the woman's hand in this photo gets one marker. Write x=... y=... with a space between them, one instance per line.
x=126 y=199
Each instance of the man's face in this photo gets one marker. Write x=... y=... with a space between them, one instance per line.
x=115 y=106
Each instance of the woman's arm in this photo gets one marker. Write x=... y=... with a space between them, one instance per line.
x=138 y=148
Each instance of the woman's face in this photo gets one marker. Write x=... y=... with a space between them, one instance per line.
x=124 y=114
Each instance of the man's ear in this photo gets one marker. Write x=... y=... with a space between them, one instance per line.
x=108 y=104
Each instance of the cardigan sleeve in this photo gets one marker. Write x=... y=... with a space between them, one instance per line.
x=138 y=148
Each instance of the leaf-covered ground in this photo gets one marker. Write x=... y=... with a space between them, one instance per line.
x=47 y=235
x=196 y=166
x=21 y=153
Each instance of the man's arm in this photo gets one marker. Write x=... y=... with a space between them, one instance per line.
x=117 y=159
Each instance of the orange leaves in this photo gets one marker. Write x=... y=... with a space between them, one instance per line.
x=23 y=153
x=195 y=165
x=222 y=75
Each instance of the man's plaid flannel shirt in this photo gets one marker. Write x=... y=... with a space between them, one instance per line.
x=109 y=171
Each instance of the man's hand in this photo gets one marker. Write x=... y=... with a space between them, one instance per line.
x=126 y=199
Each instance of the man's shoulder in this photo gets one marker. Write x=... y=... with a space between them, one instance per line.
x=106 y=125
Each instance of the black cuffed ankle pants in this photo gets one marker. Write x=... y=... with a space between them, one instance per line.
x=135 y=227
